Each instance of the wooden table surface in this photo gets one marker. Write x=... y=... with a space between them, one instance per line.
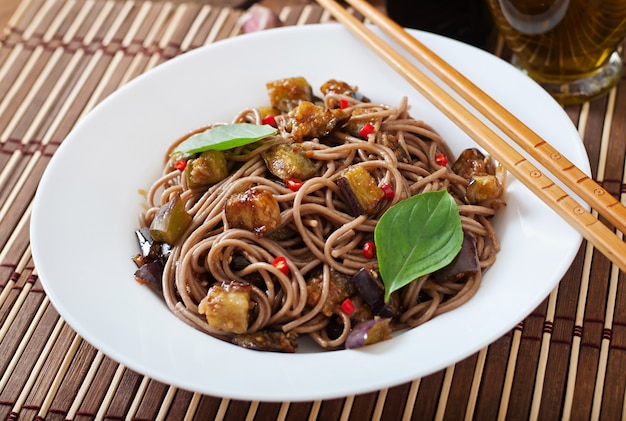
x=7 y=7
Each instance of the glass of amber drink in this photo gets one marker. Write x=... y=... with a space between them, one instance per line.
x=568 y=46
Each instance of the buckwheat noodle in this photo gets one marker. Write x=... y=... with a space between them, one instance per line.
x=402 y=152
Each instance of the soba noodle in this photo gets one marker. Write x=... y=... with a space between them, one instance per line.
x=328 y=241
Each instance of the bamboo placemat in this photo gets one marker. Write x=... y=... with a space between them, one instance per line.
x=59 y=58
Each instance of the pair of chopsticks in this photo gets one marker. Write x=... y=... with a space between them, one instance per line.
x=590 y=227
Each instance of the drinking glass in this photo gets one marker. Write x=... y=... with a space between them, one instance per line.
x=568 y=46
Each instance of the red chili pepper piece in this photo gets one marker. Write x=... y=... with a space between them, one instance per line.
x=441 y=159
x=387 y=190
x=180 y=165
x=281 y=264
x=270 y=120
x=369 y=250
x=294 y=184
x=343 y=103
x=347 y=306
x=367 y=130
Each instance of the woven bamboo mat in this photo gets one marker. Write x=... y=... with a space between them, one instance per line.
x=59 y=58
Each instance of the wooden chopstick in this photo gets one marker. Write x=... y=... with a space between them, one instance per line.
x=598 y=234
x=585 y=187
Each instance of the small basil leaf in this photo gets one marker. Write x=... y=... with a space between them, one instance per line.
x=417 y=236
x=225 y=137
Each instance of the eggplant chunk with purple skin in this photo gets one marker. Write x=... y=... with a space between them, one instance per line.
x=268 y=340
x=170 y=222
x=227 y=307
x=369 y=332
x=360 y=190
x=150 y=274
x=465 y=264
x=209 y=168
x=472 y=161
x=150 y=250
x=289 y=161
x=372 y=290
x=253 y=210
x=480 y=172
x=333 y=86
x=340 y=288
x=355 y=125
x=483 y=187
x=151 y=261
x=308 y=121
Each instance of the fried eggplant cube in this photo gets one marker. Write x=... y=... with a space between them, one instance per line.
x=465 y=264
x=341 y=287
x=268 y=340
x=286 y=94
x=333 y=86
x=209 y=168
x=360 y=190
x=170 y=222
x=227 y=307
x=308 y=121
x=289 y=161
x=369 y=332
x=253 y=210
x=483 y=187
x=471 y=161
x=358 y=121
x=480 y=172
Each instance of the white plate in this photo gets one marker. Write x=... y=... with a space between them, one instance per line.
x=86 y=209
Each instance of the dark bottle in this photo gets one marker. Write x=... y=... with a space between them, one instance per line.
x=465 y=20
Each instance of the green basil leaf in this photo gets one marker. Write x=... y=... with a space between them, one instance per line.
x=417 y=236
x=228 y=136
